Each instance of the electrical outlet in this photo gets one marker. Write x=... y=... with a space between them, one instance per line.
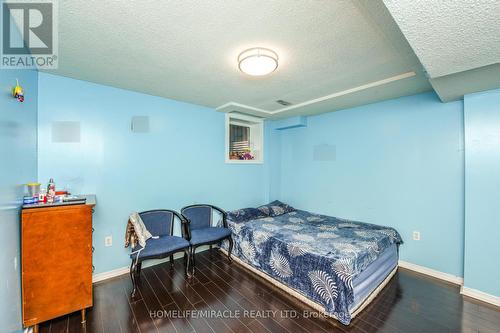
x=416 y=235
x=108 y=241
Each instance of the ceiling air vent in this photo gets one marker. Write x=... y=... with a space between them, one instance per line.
x=282 y=102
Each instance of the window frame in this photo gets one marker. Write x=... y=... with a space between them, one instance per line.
x=256 y=125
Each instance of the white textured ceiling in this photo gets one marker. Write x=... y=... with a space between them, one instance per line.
x=450 y=36
x=187 y=50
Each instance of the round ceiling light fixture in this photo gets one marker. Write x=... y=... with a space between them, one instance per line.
x=258 y=61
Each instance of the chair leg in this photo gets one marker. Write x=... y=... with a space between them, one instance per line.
x=230 y=239
x=172 y=261
x=187 y=260
x=193 y=261
x=138 y=269
x=133 y=271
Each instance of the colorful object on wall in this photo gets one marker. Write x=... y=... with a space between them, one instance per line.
x=18 y=92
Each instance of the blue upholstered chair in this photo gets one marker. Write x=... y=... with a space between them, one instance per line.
x=160 y=223
x=202 y=229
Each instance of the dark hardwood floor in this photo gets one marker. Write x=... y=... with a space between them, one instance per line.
x=409 y=303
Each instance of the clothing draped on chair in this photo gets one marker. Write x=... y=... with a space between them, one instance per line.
x=159 y=223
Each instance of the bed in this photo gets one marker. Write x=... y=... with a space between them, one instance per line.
x=337 y=266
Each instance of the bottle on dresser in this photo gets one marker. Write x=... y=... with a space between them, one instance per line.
x=51 y=191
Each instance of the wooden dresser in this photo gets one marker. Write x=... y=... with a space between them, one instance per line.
x=56 y=260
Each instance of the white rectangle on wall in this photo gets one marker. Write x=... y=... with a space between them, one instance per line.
x=140 y=124
x=325 y=152
x=65 y=131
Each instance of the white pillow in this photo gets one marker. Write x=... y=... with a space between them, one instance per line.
x=140 y=229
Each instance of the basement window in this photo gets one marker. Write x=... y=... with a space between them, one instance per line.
x=244 y=139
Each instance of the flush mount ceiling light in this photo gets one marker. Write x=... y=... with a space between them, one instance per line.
x=258 y=61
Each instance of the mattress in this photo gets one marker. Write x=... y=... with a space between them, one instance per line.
x=371 y=291
x=365 y=283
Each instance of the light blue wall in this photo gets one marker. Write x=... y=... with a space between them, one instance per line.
x=180 y=162
x=18 y=166
x=482 y=191
x=398 y=163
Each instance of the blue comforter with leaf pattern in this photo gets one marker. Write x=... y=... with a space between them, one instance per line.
x=316 y=255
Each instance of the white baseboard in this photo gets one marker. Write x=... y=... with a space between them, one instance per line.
x=110 y=274
x=482 y=296
x=431 y=272
x=125 y=270
x=473 y=293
